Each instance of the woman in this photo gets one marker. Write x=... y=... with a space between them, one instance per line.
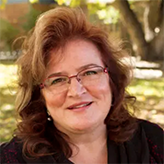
x=72 y=99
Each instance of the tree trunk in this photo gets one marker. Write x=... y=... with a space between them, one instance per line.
x=149 y=24
x=147 y=50
x=157 y=44
x=133 y=26
x=155 y=15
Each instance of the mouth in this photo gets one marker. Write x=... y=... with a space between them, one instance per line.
x=80 y=105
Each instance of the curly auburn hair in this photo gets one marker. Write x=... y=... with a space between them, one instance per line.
x=53 y=29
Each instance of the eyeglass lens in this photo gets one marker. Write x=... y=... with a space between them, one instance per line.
x=88 y=77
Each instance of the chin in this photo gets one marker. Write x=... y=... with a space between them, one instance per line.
x=83 y=126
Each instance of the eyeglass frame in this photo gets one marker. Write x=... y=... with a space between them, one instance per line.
x=42 y=85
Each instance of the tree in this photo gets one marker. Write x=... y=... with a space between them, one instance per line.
x=30 y=18
x=149 y=48
x=147 y=34
x=7 y=35
x=74 y=3
x=145 y=28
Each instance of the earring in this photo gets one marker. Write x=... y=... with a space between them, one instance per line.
x=49 y=118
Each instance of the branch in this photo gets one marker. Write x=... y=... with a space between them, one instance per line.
x=133 y=25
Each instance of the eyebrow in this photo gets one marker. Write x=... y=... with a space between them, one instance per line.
x=78 y=69
x=86 y=66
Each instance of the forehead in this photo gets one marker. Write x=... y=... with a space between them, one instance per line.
x=73 y=55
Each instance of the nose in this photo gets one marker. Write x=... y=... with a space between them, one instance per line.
x=76 y=89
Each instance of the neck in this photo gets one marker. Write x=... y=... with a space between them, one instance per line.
x=89 y=143
x=90 y=136
x=89 y=147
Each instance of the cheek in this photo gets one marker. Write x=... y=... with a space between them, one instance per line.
x=102 y=91
x=53 y=101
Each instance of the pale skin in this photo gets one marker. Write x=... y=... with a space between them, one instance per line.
x=85 y=126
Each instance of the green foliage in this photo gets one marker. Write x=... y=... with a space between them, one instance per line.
x=109 y=15
x=75 y=3
x=7 y=97
x=106 y=13
x=61 y=2
x=71 y=3
x=3 y=4
x=7 y=116
x=150 y=99
x=147 y=88
x=7 y=34
x=30 y=18
x=34 y=1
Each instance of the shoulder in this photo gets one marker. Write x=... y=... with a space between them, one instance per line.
x=152 y=131
x=154 y=137
x=11 y=152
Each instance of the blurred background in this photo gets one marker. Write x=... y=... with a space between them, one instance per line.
x=140 y=23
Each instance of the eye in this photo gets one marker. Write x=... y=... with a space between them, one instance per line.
x=56 y=81
x=90 y=72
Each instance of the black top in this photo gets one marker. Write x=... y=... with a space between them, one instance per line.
x=146 y=146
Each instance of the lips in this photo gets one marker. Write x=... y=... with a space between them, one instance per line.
x=79 y=105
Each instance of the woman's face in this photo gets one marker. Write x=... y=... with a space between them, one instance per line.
x=79 y=109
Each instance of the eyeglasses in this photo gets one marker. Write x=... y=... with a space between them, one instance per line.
x=88 y=77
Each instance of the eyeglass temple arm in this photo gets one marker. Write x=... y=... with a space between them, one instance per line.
x=41 y=86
